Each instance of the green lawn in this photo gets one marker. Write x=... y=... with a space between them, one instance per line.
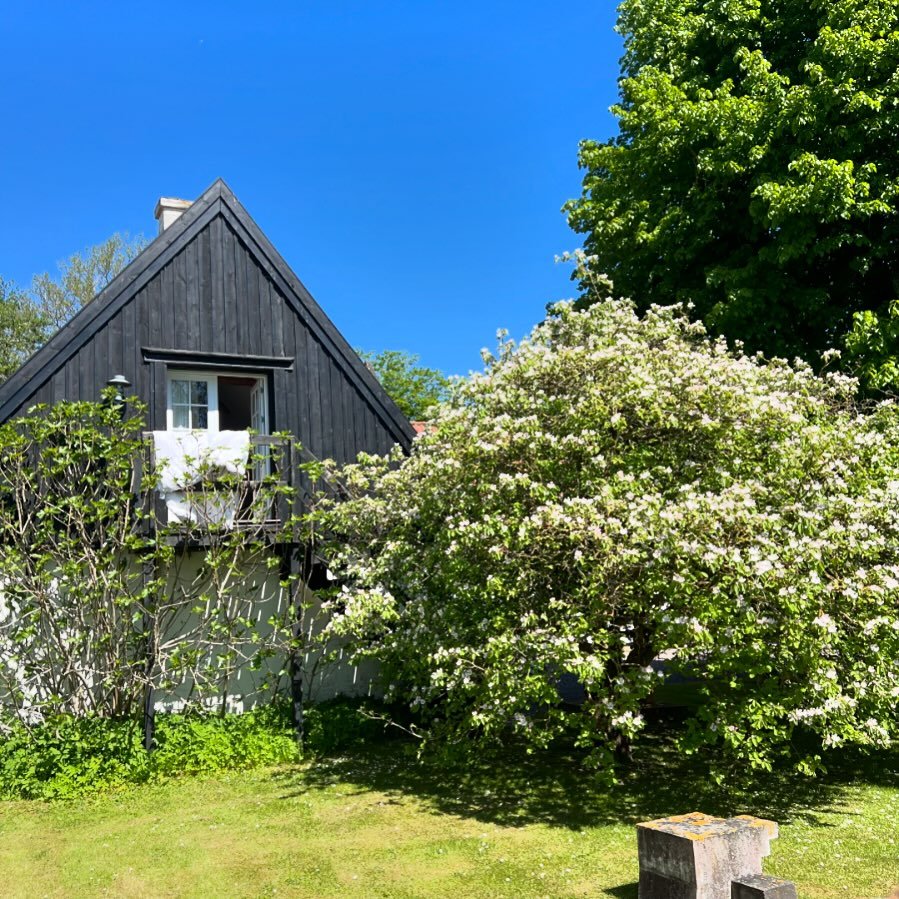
x=375 y=824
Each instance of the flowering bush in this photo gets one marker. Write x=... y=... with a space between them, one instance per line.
x=618 y=488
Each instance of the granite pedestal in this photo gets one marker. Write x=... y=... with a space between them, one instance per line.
x=697 y=856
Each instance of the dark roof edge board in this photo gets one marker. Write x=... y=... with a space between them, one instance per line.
x=43 y=364
x=71 y=337
x=294 y=288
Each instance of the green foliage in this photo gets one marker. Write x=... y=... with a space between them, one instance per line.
x=338 y=725
x=872 y=349
x=70 y=756
x=417 y=390
x=71 y=635
x=82 y=276
x=29 y=318
x=615 y=488
x=199 y=744
x=22 y=326
x=101 y=598
x=756 y=171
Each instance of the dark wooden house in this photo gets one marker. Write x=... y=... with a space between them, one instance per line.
x=215 y=333
x=214 y=330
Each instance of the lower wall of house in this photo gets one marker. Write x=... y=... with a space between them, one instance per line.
x=253 y=684
x=262 y=599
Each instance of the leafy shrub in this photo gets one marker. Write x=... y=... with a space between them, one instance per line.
x=76 y=620
x=69 y=757
x=338 y=725
x=201 y=744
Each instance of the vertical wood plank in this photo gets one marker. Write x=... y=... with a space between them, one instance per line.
x=241 y=299
x=280 y=382
x=152 y=292
x=277 y=307
x=213 y=299
x=58 y=387
x=312 y=394
x=70 y=371
x=167 y=307
x=190 y=284
x=183 y=316
x=334 y=410
x=300 y=400
x=346 y=404
x=258 y=322
x=204 y=291
x=232 y=340
x=129 y=339
x=85 y=359
x=116 y=359
x=142 y=309
x=291 y=421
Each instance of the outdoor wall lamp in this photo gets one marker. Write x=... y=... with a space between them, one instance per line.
x=121 y=384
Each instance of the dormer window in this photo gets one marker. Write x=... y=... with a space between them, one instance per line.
x=216 y=401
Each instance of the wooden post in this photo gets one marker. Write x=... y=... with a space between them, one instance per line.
x=292 y=569
x=146 y=500
x=148 y=572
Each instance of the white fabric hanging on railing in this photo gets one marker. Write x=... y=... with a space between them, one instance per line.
x=184 y=458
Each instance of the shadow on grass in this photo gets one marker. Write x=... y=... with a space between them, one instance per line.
x=554 y=787
x=625 y=891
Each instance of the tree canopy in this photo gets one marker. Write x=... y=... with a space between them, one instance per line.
x=618 y=488
x=82 y=276
x=22 y=328
x=415 y=388
x=756 y=171
x=28 y=318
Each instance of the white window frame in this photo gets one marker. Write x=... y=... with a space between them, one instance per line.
x=212 y=394
x=212 y=399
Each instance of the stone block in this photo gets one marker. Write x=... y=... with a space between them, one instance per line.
x=762 y=886
x=655 y=886
x=697 y=856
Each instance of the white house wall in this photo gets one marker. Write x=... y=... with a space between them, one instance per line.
x=247 y=687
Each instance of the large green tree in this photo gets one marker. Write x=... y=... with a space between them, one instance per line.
x=22 y=327
x=82 y=276
x=756 y=170
x=29 y=317
x=416 y=389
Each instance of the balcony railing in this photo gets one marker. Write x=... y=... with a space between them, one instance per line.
x=255 y=500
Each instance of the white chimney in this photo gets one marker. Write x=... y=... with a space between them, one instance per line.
x=168 y=209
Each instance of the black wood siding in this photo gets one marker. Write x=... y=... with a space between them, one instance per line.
x=216 y=295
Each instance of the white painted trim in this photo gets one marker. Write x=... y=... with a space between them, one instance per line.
x=212 y=394
x=212 y=397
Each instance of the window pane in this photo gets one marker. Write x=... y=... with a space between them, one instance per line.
x=181 y=416
x=200 y=416
x=198 y=396
x=180 y=392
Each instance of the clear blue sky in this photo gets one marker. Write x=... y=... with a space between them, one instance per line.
x=408 y=159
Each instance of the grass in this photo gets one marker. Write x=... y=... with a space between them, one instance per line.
x=376 y=824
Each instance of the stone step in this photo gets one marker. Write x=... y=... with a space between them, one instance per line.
x=762 y=886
